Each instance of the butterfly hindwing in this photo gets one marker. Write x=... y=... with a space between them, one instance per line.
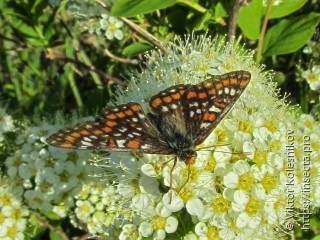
x=121 y=128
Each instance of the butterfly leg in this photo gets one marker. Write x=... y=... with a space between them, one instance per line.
x=171 y=172
x=188 y=178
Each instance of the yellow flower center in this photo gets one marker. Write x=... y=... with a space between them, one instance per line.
x=245 y=182
x=186 y=194
x=213 y=233
x=194 y=173
x=260 y=157
x=5 y=199
x=12 y=232
x=252 y=207
x=275 y=145
x=313 y=77
x=222 y=135
x=269 y=182
x=212 y=163
x=220 y=205
x=2 y=218
x=271 y=126
x=158 y=222
x=245 y=126
x=16 y=214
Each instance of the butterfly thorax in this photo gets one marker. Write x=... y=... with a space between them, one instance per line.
x=174 y=132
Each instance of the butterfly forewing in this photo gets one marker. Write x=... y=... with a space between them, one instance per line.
x=121 y=128
x=211 y=100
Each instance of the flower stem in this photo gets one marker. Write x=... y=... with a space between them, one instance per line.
x=263 y=31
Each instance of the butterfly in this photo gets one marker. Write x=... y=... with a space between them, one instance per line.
x=182 y=117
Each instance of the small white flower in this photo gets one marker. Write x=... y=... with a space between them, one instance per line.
x=313 y=77
x=112 y=26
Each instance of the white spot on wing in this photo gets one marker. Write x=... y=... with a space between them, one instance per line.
x=123 y=129
x=205 y=125
x=142 y=116
x=232 y=92
x=84 y=143
x=214 y=109
x=226 y=90
x=174 y=106
x=120 y=143
x=165 y=109
x=87 y=139
x=146 y=146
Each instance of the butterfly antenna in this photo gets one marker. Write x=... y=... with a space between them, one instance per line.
x=171 y=171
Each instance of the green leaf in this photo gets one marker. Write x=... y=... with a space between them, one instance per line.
x=219 y=11
x=286 y=7
x=249 y=19
x=129 y=8
x=202 y=22
x=136 y=48
x=24 y=28
x=290 y=35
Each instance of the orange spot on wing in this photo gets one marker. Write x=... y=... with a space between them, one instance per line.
x=226 y=82
x=202 y=95
x=220 y=104
x=70 y=139
x=156 y=102
x=84 y=132
x=244 y=83
x=133 y=144
x=111 y=116
x=133 y=125
x=233 y=81
x=191 y=94
x=112 y=143
x=181 y=91
x=128 y=112
x=219 y=86
x=212 y=91
x=167 y=99
x=66 y=145
x=97 y=132
x=111 y=123
x=107 y=129
x=75 y=134
x=176 y=96
x=136 y=108
x=120 y=115
x=209 y=117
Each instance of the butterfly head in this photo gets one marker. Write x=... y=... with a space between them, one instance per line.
x=187 y=155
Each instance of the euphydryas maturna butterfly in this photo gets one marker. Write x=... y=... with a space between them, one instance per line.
x=183 y=117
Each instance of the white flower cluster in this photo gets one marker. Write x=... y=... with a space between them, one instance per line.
x=311 y=73
x=96 y=19
x=237 y=186
x=13 y=215
x=6 y=123
x=96 y=206
x=45 y=177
